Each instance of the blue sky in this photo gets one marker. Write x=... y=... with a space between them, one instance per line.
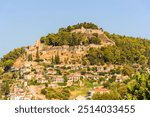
x=22 y=22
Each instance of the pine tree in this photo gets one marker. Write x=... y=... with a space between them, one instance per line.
x=30 y=57
x=52 y=62
x=37 y=53
x=57 y=59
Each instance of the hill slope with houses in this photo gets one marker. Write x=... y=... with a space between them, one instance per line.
x=78 y=62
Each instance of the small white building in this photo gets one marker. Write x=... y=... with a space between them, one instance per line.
x=74 y=77
x=80 y=98
x=57 y=79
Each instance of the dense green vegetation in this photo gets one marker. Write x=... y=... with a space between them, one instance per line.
x=8 y=60
x=66 y=37
x=135 y=88
x=106 y=96
x=7 y=80
x=61 y=94
x=128 y=50
x=139 y=87
x=78 y=26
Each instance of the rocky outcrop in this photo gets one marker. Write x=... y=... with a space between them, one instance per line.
x=105 y=40
x=87 y=31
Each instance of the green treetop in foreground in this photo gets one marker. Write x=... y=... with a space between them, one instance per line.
x=136 y=88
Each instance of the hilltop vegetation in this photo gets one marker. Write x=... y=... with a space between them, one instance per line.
x=80 y=25
x=66 y=37
x=128 y=50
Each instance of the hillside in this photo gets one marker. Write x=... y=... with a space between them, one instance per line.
x=78 y=62
x=70 y=52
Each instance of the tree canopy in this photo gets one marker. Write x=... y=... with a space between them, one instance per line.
x=80 y=25
x=8 y=60
x=66 y=37
x=128 y=50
